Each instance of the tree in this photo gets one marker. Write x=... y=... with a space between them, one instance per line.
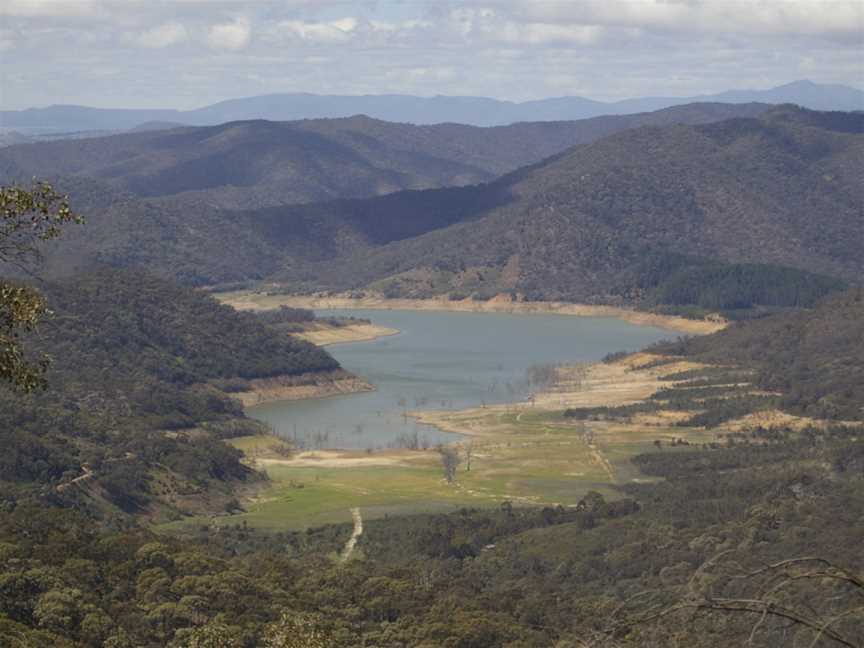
x=816 y=601
x=469 y=451
x=27 y=218
x=212 y=635
x=296 y=630
x=449 y=461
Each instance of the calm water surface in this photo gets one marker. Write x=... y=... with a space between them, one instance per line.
x=442 y=360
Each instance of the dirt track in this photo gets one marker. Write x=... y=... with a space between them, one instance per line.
x=355 y=535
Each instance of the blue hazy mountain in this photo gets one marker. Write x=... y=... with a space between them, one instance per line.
x=477 y=111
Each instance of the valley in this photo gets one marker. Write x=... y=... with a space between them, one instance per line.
x=525 y=453
x=362 y=383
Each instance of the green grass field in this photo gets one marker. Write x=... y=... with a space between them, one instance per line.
x=532 y=457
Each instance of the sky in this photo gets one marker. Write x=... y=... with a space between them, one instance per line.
x=189 y=53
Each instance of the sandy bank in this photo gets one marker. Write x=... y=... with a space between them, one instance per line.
x=327 y=335
x=623 y=382
x=342 y=459
x=312 y=385
x=500 y=304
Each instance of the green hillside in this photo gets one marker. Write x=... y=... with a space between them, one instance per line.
x=135 y=395
x=741 y=216
x=616 y=221
x=814 y=358
x=752 y=538
x=252 y=164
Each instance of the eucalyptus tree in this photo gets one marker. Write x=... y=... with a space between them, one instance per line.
x=28 y=217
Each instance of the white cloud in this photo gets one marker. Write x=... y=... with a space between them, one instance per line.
x=518 y=49
x=165 y=35
x=233 y=36
x=485 y=24
x=543 y=33
x=826 y=18
x=434 y=73
x=355 y=31
x=334 y=31
x=39 y=8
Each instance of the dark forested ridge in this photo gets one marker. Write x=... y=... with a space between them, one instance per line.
x=132 y=321
x=194 y=244
x=130 y=431
x=740 y=216
x=620 y=219
x=135 y=405
x=251 y=164
x=808 y=363
x=159 y=199
x=814 y=358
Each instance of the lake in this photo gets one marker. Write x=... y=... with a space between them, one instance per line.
x=443 y=360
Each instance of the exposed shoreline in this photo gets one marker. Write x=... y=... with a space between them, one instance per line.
x=619 y=383
x=346 y=334
x=500 y=304
x=304 y=386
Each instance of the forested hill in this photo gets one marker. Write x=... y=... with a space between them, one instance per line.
x=614 y=219
x=136 y=395
x=745 y=212
x=130 y=322
x=754 y=538
x=249 y=164
x=814 y=357
x=194 y=245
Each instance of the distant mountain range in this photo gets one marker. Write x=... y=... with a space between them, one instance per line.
x=253 y=164
x=476 y=111
x=610 y=221
x=671 y=207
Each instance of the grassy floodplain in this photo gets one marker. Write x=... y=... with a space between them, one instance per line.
x=525 y=453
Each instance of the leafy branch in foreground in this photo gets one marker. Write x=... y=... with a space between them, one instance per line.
x=818 y=601
x=27 y=217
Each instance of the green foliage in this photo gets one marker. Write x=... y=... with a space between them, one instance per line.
x=534 y=577
x=285 y=315
x=740 y=287
x=626 y=219
x=21 y=309
x=134 y=418
x=814 y=358
x=707 y=217
x=27 y=218
x=212 y=635
x=294 y=630
x=131 y=413
x=134 y=322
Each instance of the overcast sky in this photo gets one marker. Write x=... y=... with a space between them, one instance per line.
x=189 y=53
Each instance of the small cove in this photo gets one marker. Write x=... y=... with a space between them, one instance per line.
x=442 y=360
